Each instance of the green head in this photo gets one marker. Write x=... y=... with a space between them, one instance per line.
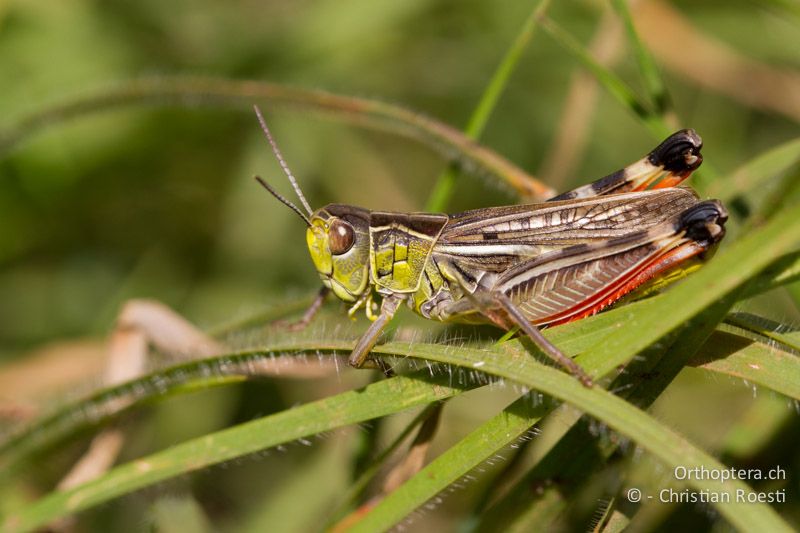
x=337 y=236
x=338 y=241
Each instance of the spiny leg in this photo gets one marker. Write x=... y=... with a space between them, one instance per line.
x=308 y=315
x=370 y=337
x=667 y=165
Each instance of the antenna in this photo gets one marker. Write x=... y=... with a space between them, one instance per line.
x=285 y=168
x=283 y=200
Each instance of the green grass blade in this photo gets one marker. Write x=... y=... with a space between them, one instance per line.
x=376 y=400
x=191 y=92
x=357 y=488
x=446 y=183
x=662 y=442
x=640 y=108
x=755 y=362
x=105 y=405
x=20 y=447
x=501 y=76
x=388 y=396
x=504 y=429
x=766 y=328
x=653 y=82
x=784 y=191
x=613 y=84
x=579 y=454
x=757 y=171
x=783 y=272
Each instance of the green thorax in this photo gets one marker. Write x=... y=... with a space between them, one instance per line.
x=400 y=248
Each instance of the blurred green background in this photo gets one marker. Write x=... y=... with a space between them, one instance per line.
x=160 y=202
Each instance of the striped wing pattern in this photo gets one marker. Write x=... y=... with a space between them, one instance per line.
x=559 y=257
x=497 y=239
x=554 y=294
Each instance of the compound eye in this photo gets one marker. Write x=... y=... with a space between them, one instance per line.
x=341 y=237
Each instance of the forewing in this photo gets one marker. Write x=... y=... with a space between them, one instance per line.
x=581 y=279
x=497 y=239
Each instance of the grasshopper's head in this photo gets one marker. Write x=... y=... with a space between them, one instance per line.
x=337 y=236
x=338 y=241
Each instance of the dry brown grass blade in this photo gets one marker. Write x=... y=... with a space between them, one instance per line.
x=102 y=454
x=195 y=91
x=712 y=64
x=52 y=369
x=412 y=462
x=141 y=323
x=417 y=452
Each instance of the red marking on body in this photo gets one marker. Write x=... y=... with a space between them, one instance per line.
x=646 y=272
x=670 y=182
x=645 y=184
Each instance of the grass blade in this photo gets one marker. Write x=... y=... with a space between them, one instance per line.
x=757 y=171
x=108 y=404
x=579 y=453
x=613 y=84
x=384 y=397
x=755 y=362
x=781 y=273
x=445 y=185
x=789 y=337
x=653 y=121
x=376 y=400
x=653 y=81
x=615 y=412
x=191 y=92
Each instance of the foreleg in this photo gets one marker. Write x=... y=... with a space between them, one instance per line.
x=370 y=337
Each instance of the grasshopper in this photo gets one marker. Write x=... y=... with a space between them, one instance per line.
x=523 y=266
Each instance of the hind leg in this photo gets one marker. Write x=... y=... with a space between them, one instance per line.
x=499 y=309
x=667 y=165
